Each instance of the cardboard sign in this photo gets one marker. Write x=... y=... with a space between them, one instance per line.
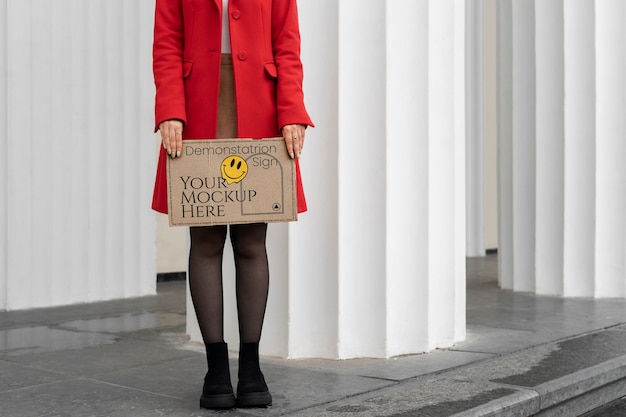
x=230 y=181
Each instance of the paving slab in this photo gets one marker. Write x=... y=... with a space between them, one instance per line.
x=180 y=378
x=433 y=397
x=393 y=369
x=553 y=316
x=126 y=323
x=38 y=339
x=496 y=340
x=169 y=298
x=87 y=398
x=90 y=361
x=292 y=389
x=541 y=364
x=15 y=376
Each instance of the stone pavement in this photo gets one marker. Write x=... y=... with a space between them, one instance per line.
x=524 y=355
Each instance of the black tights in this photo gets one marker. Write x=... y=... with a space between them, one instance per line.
x=252 y=279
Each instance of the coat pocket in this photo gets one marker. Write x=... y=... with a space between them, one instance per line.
x=187 y=66
x=270 y=69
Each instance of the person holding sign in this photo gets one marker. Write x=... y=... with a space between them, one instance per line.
x=228 y=69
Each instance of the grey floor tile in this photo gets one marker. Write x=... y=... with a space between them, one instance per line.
x=171 y=298
x=39 y=339
x=495 y=340
x=549 y=318
x=394 y=369
x=294 y=391
x=87 y=398
x=482 y=269
x=126 y=323
x=124 y=354
x=292 y=388
x=15 y=376
x=570 y=356
x=181 y=378
x=540 y=364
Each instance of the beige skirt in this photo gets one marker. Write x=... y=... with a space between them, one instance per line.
x=227 y=108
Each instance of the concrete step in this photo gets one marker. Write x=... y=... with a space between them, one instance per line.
x=564 y=378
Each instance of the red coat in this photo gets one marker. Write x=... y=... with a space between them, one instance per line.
x=265 y=43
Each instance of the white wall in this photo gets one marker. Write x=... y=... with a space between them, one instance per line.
x=77 y=152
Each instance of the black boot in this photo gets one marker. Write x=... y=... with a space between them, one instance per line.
x=217 y=392
x=252 y=390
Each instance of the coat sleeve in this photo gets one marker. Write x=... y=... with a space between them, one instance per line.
x=286 y=49
x=167 y=62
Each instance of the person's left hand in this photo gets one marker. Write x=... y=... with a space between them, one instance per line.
x=294 y=139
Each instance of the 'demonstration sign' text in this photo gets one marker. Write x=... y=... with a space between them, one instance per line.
x=230 y=181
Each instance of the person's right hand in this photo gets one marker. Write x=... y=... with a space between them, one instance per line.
x=172 y=137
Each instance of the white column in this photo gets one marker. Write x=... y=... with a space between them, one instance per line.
x=446 y=192
x=313 y=265
x=3 y=155
x=490 y=128
x=580 y=148
x=523 y=167
x=79 y=152
x=377 y=266
x=362 y=139
x=407 y=150
x=401 y=233
x=400 y=175
x=505 y=143
x=475 y=155
x=516 y=133
x=568 y=145
x=550 y=148
x=610 y=148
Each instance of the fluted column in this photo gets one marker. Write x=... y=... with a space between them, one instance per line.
x=579 y=142
x=610 y=148
x=548 y=39
x=562 y=155
x=475 y=149
x=524 y=121
x=377 y=267
x=3 y=157
x=79 y=152
x=504 y=54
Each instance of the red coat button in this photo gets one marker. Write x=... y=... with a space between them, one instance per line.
x=242 y=56
x=236 y=14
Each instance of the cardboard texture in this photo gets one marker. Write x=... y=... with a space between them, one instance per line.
x=231 y=181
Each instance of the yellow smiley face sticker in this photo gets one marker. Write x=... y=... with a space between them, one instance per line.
x=234 y=169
